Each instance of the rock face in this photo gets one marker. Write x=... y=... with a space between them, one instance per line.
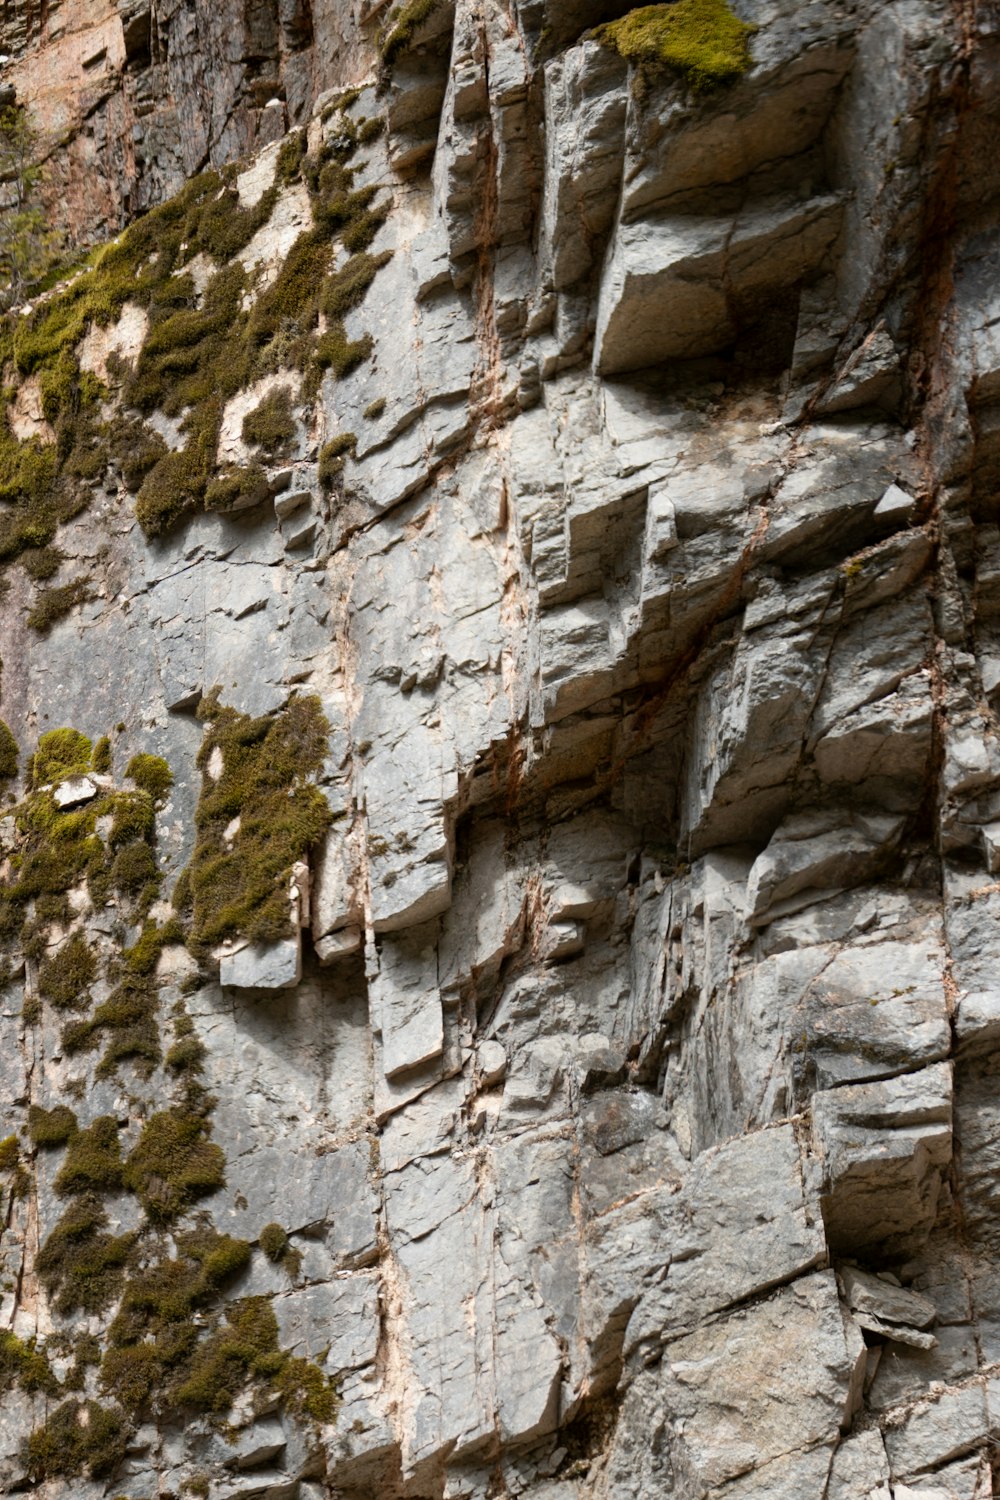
x=583 y=1084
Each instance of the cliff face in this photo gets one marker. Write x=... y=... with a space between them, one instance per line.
x=501 y=989
x=132 y=97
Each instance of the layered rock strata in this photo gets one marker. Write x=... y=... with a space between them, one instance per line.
x=586 y=614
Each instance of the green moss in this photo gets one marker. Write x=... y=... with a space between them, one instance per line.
x=8 y=753
x=401 y=26
x=151 y=774
x=198 y=353
x=153 y=1337
x=306 y=1390
x=41 y=563
x=275 y=1244
x=8 y=1153
x=186 y=1055
x=86 y=1353
x=93 y=1162
x=80 y=1437
x=144 y=954
x=130 y=1374
x=346 y=288
x=702 y=40
x=51 y=1127
x=239 y=885
x=273 y=1241
x=370 y=130
x=81 y=1265
x=128 y=1019
x=270 y=426
x=173 y=1164
x=64 y=978
x=336 y=352
x=290 y=154
x=100 y=761
x=332 y=455
x=245 y=1346
x=236 y=488
x=173 y=488
x=374 y=409
x=134 y=868
x=60 y=753
x=24 y=1364
x=132 y=818
x=134 y=448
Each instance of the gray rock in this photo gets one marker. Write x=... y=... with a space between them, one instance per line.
x=884 y=1147
x=937 y=1431
x=263 y=966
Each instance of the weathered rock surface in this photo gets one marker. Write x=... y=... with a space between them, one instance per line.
x=623 y=1086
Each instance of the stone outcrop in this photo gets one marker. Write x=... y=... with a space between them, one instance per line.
x=596 y=1094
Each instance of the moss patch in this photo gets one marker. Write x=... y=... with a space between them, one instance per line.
x=332 y=455
x=702 y=40
x=64 y=978
x=239 y=882
x=8 y=753
x=80 y=1437
x=401 y=26
x=174 y=1163
x=81 y=1265
x=244 y=1348
x=270 y=426
x=60 y=753
x=23 y=1363
x=151 y=774
x=276 y=1246
x=100 y=761
x=154 y=1335
x=198 y=353
x=93 y=1162
x=51 y=1127
x=54 y=604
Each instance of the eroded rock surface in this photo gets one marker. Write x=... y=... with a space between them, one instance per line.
x=608 y=1097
